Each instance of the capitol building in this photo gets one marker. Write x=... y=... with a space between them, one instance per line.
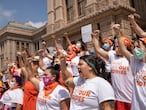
x=70 y=16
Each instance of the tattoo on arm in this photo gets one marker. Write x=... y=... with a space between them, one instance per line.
x=107 y=105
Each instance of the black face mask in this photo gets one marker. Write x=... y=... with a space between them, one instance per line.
x=57 y=66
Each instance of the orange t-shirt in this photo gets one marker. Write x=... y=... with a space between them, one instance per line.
x=30 y=96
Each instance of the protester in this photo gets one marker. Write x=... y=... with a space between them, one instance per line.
x=121 y=75
x=52 y=79
x=52 y=96
x=138 y=65
x=13 y=97
x=2 y=88
x=136 y=27
x=30 y=92
x=107 y=45
x=89 y=89
x=72 y=58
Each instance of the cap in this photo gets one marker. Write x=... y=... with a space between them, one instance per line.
x=36 y=58
x=107 y=40
x=126 y=41
x=74 y=48
x=143 y=39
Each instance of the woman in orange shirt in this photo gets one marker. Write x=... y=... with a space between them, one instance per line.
x=30 y=92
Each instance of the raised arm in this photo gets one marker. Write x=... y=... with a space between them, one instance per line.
x=55 y=43
x=123 y=49
x=98 y=49
x=66 y=37
x=44 y=50
x=136 y=27
x=65 y=73
x=28 y=71
x=57 y=46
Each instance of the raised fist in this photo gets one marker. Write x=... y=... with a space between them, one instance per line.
x=130 y=17
x=95 y=33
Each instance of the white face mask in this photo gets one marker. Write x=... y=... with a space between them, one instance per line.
x=78 y=45
x=12 y=84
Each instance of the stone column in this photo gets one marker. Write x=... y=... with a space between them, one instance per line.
x=6 y=52
x=76 y=14
x=91 y=6
x=50 y=5
x=13 y=51
x=20 y=46
x=65 y=11
x=5 y=49
x=59 y=14
x=9 y=48
x=31 y=48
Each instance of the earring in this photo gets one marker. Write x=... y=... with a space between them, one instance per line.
x=90 y=69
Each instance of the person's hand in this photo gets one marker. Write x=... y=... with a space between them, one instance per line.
x=29 y=59
x=44 y=44
x=41 y=64
x=53 y=36
x=95 y=34
x=24 y=53
x=130 y=17
x=65 y=34
x=116 y=28
x=40 y=50
x=19 y=53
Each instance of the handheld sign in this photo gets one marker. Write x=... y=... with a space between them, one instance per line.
x=86 y=33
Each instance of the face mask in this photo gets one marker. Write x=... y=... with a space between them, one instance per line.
x=64 y=52
x=54 y=53
x=12 y=84
x=57 y=66
x=105 y=46
x=139 y=53
x=47 y=80
x=78 y=45
x=92 y=52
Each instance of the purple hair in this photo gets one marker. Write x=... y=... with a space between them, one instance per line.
x=18 y=80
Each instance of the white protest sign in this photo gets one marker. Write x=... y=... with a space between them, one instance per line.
x=86 y=33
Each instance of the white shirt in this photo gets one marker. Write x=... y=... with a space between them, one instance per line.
x=12 y=97
x=74 y=65
x=51 y=102
x=47 y=62
x=89 y=93
x=122 y=78
x=139 y=91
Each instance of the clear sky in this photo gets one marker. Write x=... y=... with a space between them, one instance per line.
x=32 y=11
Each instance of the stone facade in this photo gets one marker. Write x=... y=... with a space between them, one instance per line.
x=15 y=37
x=102 y=14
